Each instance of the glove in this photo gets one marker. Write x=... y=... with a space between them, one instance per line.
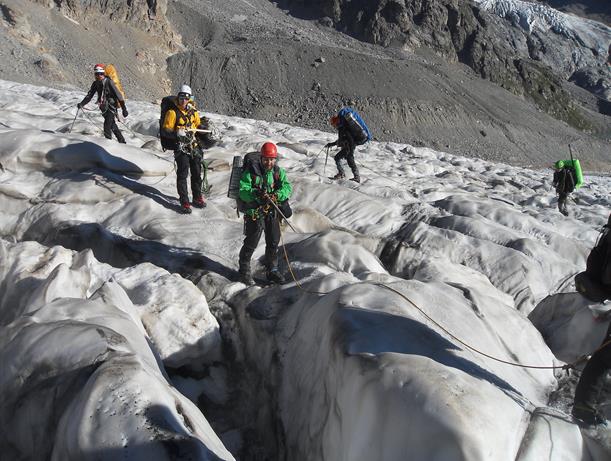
x=181 y=133
x=273 y=197
x=125 y=112
x=330 y=144
x=79 y=106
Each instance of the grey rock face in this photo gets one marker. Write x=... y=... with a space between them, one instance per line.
x=145 y=14
x=498 y=49
x=57 y=42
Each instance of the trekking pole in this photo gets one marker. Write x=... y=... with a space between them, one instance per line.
x=326 y=158
x=571 y=152
x=319 y=152
x=281 y=213
x=76 y=115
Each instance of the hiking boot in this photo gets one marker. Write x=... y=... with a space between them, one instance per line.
x=246 y=279
x=275 y=276
x=586 y=415
x=356 y=179
x=246 y=274
x=199 y=202
x=339 y=176
x=185 y=207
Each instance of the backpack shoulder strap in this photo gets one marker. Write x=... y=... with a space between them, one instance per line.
x=183 y=118
x=102 y=88
x=255 y=169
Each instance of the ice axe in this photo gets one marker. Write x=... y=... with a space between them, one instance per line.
x=197 y=130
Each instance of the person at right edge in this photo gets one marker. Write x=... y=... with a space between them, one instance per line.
x=109 y=101
x=591 y=383
x=345 y=141
x=260 y=184
x=595 y=284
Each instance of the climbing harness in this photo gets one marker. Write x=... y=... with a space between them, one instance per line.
x=194 y=150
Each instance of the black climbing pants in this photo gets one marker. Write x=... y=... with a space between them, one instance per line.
x=347 y=152
x=269 y=224
x=592 y=376
x=562 y=198
x=110 y=127
x=184 y=163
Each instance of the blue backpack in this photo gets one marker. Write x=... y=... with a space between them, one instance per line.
x=355 y=124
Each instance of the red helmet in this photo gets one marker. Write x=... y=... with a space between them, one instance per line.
x=334 y=120
x=99 y=69
x=269 y=150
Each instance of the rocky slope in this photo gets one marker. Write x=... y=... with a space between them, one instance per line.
x=259 y=63
x=58 y=42
x=525 y=52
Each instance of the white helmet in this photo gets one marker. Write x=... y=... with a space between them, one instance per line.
x=185 y=89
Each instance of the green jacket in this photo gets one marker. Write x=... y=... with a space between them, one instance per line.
x=251 y=183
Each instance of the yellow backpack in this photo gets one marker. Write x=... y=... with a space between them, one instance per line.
x=112 y=73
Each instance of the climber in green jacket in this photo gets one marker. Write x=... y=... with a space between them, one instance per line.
x=261 y=183
x=567 y=177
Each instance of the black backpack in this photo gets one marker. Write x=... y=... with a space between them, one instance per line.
x=598 y=264
x=565 y=180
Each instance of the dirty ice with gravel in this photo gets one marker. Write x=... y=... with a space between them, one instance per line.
x=121 y=320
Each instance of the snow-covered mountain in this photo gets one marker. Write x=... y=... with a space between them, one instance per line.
x=590 y=9
x=590 y=40
x=536 y=16
x=124 y=333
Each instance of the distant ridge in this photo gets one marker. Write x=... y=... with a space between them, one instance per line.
x=597 y=10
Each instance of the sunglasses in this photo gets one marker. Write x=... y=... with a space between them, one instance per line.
x=98 y=73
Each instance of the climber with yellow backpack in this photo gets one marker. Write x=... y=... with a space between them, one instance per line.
x=110 y=98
